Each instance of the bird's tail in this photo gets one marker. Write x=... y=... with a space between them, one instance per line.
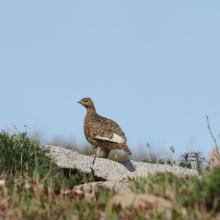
x=125 y=148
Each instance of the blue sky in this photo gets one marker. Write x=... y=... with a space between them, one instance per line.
x=151 y=66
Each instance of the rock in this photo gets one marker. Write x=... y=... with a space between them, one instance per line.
x=90 y=191
x=214 y=158
x=116 y=185
x=110 y=169
x=130 y=199
x=127 y=200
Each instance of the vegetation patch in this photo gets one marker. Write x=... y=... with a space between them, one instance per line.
x=33 y=187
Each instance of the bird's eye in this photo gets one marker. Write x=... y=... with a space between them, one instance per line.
x=86 y=101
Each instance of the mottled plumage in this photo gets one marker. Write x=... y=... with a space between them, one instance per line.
x=101 y=132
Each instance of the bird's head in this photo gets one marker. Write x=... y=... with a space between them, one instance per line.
x=86 y=102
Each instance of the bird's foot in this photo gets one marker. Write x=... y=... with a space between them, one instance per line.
x=102 y=152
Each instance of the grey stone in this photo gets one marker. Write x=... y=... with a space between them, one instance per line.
x=110 y=169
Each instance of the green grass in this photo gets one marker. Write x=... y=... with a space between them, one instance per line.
x=18 y=153
x=35 y=188
x=198 y=196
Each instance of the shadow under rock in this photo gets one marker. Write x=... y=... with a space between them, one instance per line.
x=67 y=172
x=127 y=164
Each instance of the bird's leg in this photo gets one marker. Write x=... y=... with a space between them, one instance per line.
x=102 y=152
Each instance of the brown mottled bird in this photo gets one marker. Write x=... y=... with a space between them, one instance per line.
x=101 y=132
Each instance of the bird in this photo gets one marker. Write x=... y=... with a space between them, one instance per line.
x=103 y=133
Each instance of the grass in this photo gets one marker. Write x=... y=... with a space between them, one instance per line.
x=19 y=153
x=199 y=197
x=33 y=187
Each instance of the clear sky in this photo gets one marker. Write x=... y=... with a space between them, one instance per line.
x=151 y=66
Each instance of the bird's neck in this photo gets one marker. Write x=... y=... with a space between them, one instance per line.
x=91 y=111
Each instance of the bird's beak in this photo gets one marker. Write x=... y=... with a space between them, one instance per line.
x=79 y=102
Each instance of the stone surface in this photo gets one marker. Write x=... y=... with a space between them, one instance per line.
x=110 y=169
x=116 y=185
x=129 y=199
x=90 y=191
x=214 y=158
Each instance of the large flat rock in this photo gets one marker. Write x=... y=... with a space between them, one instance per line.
x=110 y=169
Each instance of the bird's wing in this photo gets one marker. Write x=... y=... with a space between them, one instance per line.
x=116 y=138
x=106 y=129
